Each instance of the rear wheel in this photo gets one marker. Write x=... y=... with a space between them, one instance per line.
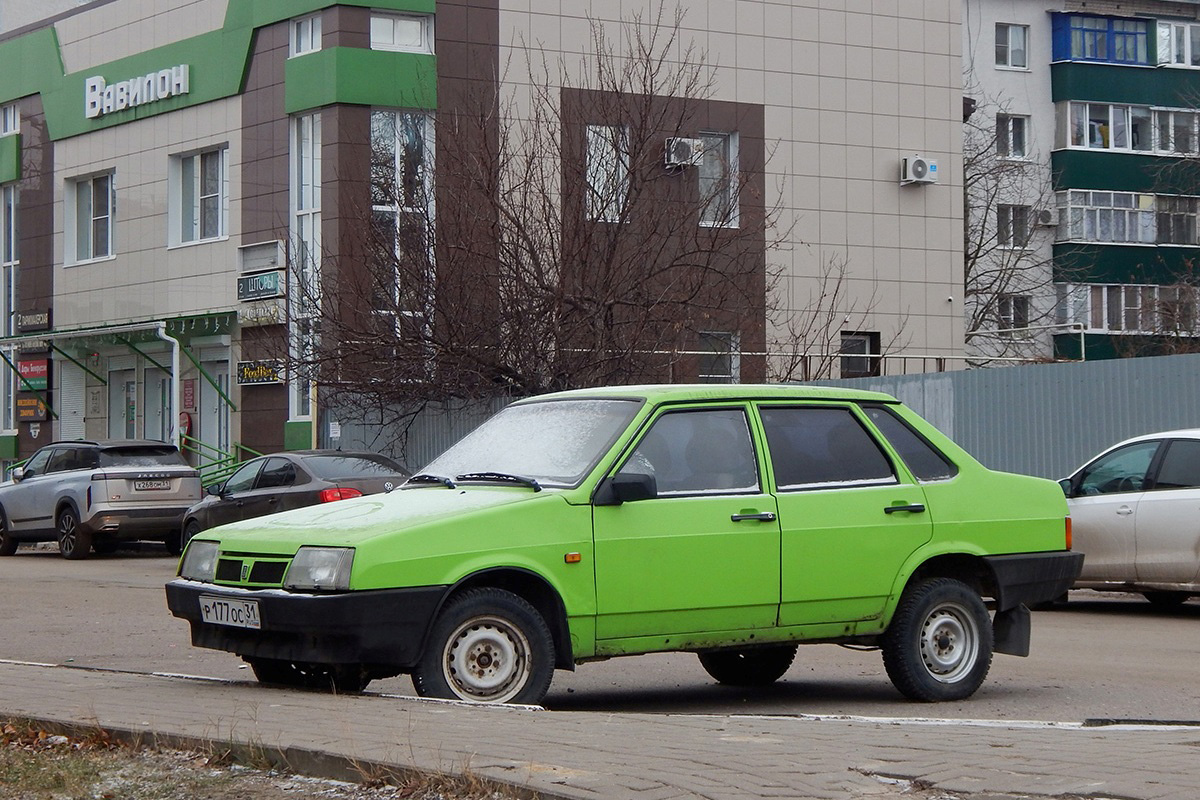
x=939 y=645
x=1166 y=600
x=8 y=545
x=73 y=541
x=757 y=666
x=346 y=678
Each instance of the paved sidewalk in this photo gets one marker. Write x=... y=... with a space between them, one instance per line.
x=577 y=755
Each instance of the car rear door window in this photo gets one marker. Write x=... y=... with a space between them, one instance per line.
x=61 y=460
x=1122 y=470
x=698 y=452
x=924 y=461
x=818 y=447
x=275 y=473
x=1180 y=466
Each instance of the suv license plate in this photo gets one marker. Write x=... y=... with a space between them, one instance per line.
x=234 y=613
x=141 y=486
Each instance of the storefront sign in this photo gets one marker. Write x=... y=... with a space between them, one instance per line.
x=31 y=409
x=188 y=386
x=33 y=320
x=257 y=372
x=101 y=97
x=260 y=286
x=34 y=373
x=261 y=312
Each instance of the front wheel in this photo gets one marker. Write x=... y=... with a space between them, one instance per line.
x=344 y=678
x=939 y=645
x=8 y=545
x=757 y=666
x=73 y=541
x=487 y=646
x=1166 y=600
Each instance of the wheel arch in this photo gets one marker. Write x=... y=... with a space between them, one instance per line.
x=67 y=502
x=531 y=587
x=969 y=568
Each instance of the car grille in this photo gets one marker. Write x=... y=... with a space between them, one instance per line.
x=267 y=571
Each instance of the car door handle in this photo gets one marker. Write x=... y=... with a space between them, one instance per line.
x=1124 y=511
x=765 y=516
x=915 y=508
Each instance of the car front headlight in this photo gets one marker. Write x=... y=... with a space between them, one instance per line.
x=322 y=568
x=200 y=561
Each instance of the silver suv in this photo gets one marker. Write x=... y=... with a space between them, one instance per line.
x=92 y=495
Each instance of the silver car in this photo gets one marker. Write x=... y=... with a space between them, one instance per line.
x=1135 y=514
x=94 y=494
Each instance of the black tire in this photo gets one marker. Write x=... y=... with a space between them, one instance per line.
x=1166 y=600
x=105 y=546
x=487 y=646
x=752 y=666
x=73 y=541
x=939 y=645
x=174 y=543
x=8 y=545
x=341 y=678
x=190 y=529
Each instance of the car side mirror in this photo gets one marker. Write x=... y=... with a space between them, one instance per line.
x=215 y=489
x=1067 y=487
x=626 y=487
x=17 y=474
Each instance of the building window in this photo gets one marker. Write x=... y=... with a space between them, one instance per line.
x=718 y=180
x=1085 y=38
x=1011 y=136
x=401 y=213
x=410 y=33
x=860 y=354
x=607 y=171
x=9 y=256
x=1179 y=44
x=306 y=35
x=1012 y=45
x=1175 y=132
x=1013 y=311
x=305 y=269
x=1130 y=218
x=1012 y=225
x=91 y=205
x=720 y=358
x=1176 y=220
x=1129 y=308
x=200 y=199
x=10 y=119
x=1110 y=127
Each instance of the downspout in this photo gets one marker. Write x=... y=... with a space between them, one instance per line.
x=176 y=382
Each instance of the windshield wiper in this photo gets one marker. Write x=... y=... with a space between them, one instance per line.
x=425 y=477
x=499 y=476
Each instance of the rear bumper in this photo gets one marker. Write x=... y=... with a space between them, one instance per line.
x=1032 y=578
x=384 y=627
x=135 y=523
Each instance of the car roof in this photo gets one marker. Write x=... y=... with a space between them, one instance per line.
x=1181 y=433
x=106 y=443
x=679 y=392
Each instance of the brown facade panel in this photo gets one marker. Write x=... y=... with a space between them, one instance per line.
x=265 y=139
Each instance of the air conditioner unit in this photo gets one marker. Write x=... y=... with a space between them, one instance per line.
x=683 y=152
x=1047 y=218
x=918 y=169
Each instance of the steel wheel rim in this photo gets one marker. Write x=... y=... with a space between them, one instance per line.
x=486 y=660
x=949 y=643
x=66 y=532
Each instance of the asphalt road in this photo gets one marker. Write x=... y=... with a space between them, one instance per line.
x=1101 y=657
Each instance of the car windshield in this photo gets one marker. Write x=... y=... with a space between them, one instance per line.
x=555 y=442
x=332 y=467
x=165 y=456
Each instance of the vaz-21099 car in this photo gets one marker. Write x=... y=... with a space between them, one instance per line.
x=734 y=522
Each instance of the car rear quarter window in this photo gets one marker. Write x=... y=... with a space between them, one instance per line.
x=698 y=452
x=332 y=467
x=819 y=447
x=925 y=461
x=165 y=456
x=1180 y=466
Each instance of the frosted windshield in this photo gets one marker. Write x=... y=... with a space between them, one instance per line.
x=556 y=442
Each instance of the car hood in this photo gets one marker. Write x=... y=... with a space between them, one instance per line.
x=349 y=523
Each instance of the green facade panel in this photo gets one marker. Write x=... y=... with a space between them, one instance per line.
x=1104 y=346
x=297 y=435
x=256 y=13
x=10 y=158
x=8 y=447
x=1115 y=83
x=1114 y=171
x=1117 y=263
x=32 y=64
x=360 y=77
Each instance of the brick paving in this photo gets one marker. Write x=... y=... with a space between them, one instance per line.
x=597 y=756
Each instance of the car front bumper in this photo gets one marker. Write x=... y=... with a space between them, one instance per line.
x=386 y=627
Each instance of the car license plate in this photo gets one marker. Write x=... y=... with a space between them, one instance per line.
x=224 y=611
x=142 y=486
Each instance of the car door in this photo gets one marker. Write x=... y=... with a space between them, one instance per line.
x=274 y=490
x=702 y=555
x=849 y=518
x=1104 y=498
x=24 y=507
x=232 y=500
x=1167 y=527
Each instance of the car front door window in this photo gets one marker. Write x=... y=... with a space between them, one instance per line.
x=1122 y=470
x=243 y=479
x=698 y=452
